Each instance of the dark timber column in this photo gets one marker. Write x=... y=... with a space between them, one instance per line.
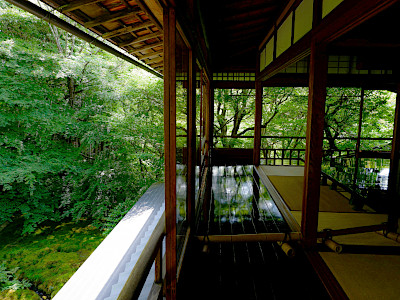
x=257 y=124
x=191 y=120
x=354 y=198
x=315 y=134
x=394 y=176
x=211 y=116
x=170 y=150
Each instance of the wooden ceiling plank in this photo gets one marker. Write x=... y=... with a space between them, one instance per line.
x=76 y=4
x=141 y=39
x=151 y=55
x=242 y=5
x=126 y=30
x=146 y=47
x=112 y=17
x=155 y=61
x=157 y=65
x=243 y=25
x=251 y=14
x=148 y=12
x=243 y=32
x=244 y=51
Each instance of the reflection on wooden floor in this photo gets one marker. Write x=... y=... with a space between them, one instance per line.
x=369 y=266
x=240 y=204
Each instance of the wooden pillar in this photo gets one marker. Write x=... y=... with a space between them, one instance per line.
x=191 y=141
x=315 y=134
x=211 y=116
x=354 y=198
x=394 y=175
x=257 y=123
x=170 y=149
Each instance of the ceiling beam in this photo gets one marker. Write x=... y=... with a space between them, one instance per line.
x=143 y=6
x=151 y=55
x=251 y=23
x=242 y=5
x=76 y=4
x=49 y=17
x=157 y=65
x=348 y=15
x=141 y=39
x=112 y=17
x=126 y=30
x=250 y=15
x=146 y=47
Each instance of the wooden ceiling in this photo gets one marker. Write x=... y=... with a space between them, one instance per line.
x=376 y=42
x=231 y=29
x=235 y=29
x=135 y=26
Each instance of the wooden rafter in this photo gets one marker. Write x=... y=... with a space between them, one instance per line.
x=151 y=55
x=146 y=47
x=112 y=17
x=155 y=62
x=250 y=14
x=249 y=24
x=149 y=14
x=127 y=29
x=76 y=5
x=141 y=39
x=156 y=65
x=246 y=4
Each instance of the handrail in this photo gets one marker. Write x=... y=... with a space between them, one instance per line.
x=289 y=137
x=120 y=265
x=134 y=284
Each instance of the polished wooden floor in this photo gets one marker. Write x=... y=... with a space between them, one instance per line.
x=240 y=204
x=247 y=271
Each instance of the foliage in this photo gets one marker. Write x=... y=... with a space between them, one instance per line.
x=48 y=257
x=78 y=127
x=342 y=117
x=8 y=280
x=284 y=114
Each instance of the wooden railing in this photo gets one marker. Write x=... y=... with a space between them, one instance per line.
x=283 y=157
x=120 y=266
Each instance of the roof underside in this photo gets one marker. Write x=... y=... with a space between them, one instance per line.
x=235 y=29
x=232 y=30
x=135 y=26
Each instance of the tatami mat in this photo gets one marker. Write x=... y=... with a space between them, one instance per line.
x=366 y=276
x=362 y=276
x=344 y=220
x=291 y=190
x=283 y=170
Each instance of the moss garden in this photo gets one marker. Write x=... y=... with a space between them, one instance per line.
x=37 y=265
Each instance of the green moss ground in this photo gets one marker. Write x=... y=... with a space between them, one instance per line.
x=49 y=257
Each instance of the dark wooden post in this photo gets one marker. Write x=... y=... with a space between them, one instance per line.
x=394 y=175
x=257 y=123
x=354 y=198
x=170 y=149
x=211 y=115
x=191 y=140
x=315 y=134
x=158 y=265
